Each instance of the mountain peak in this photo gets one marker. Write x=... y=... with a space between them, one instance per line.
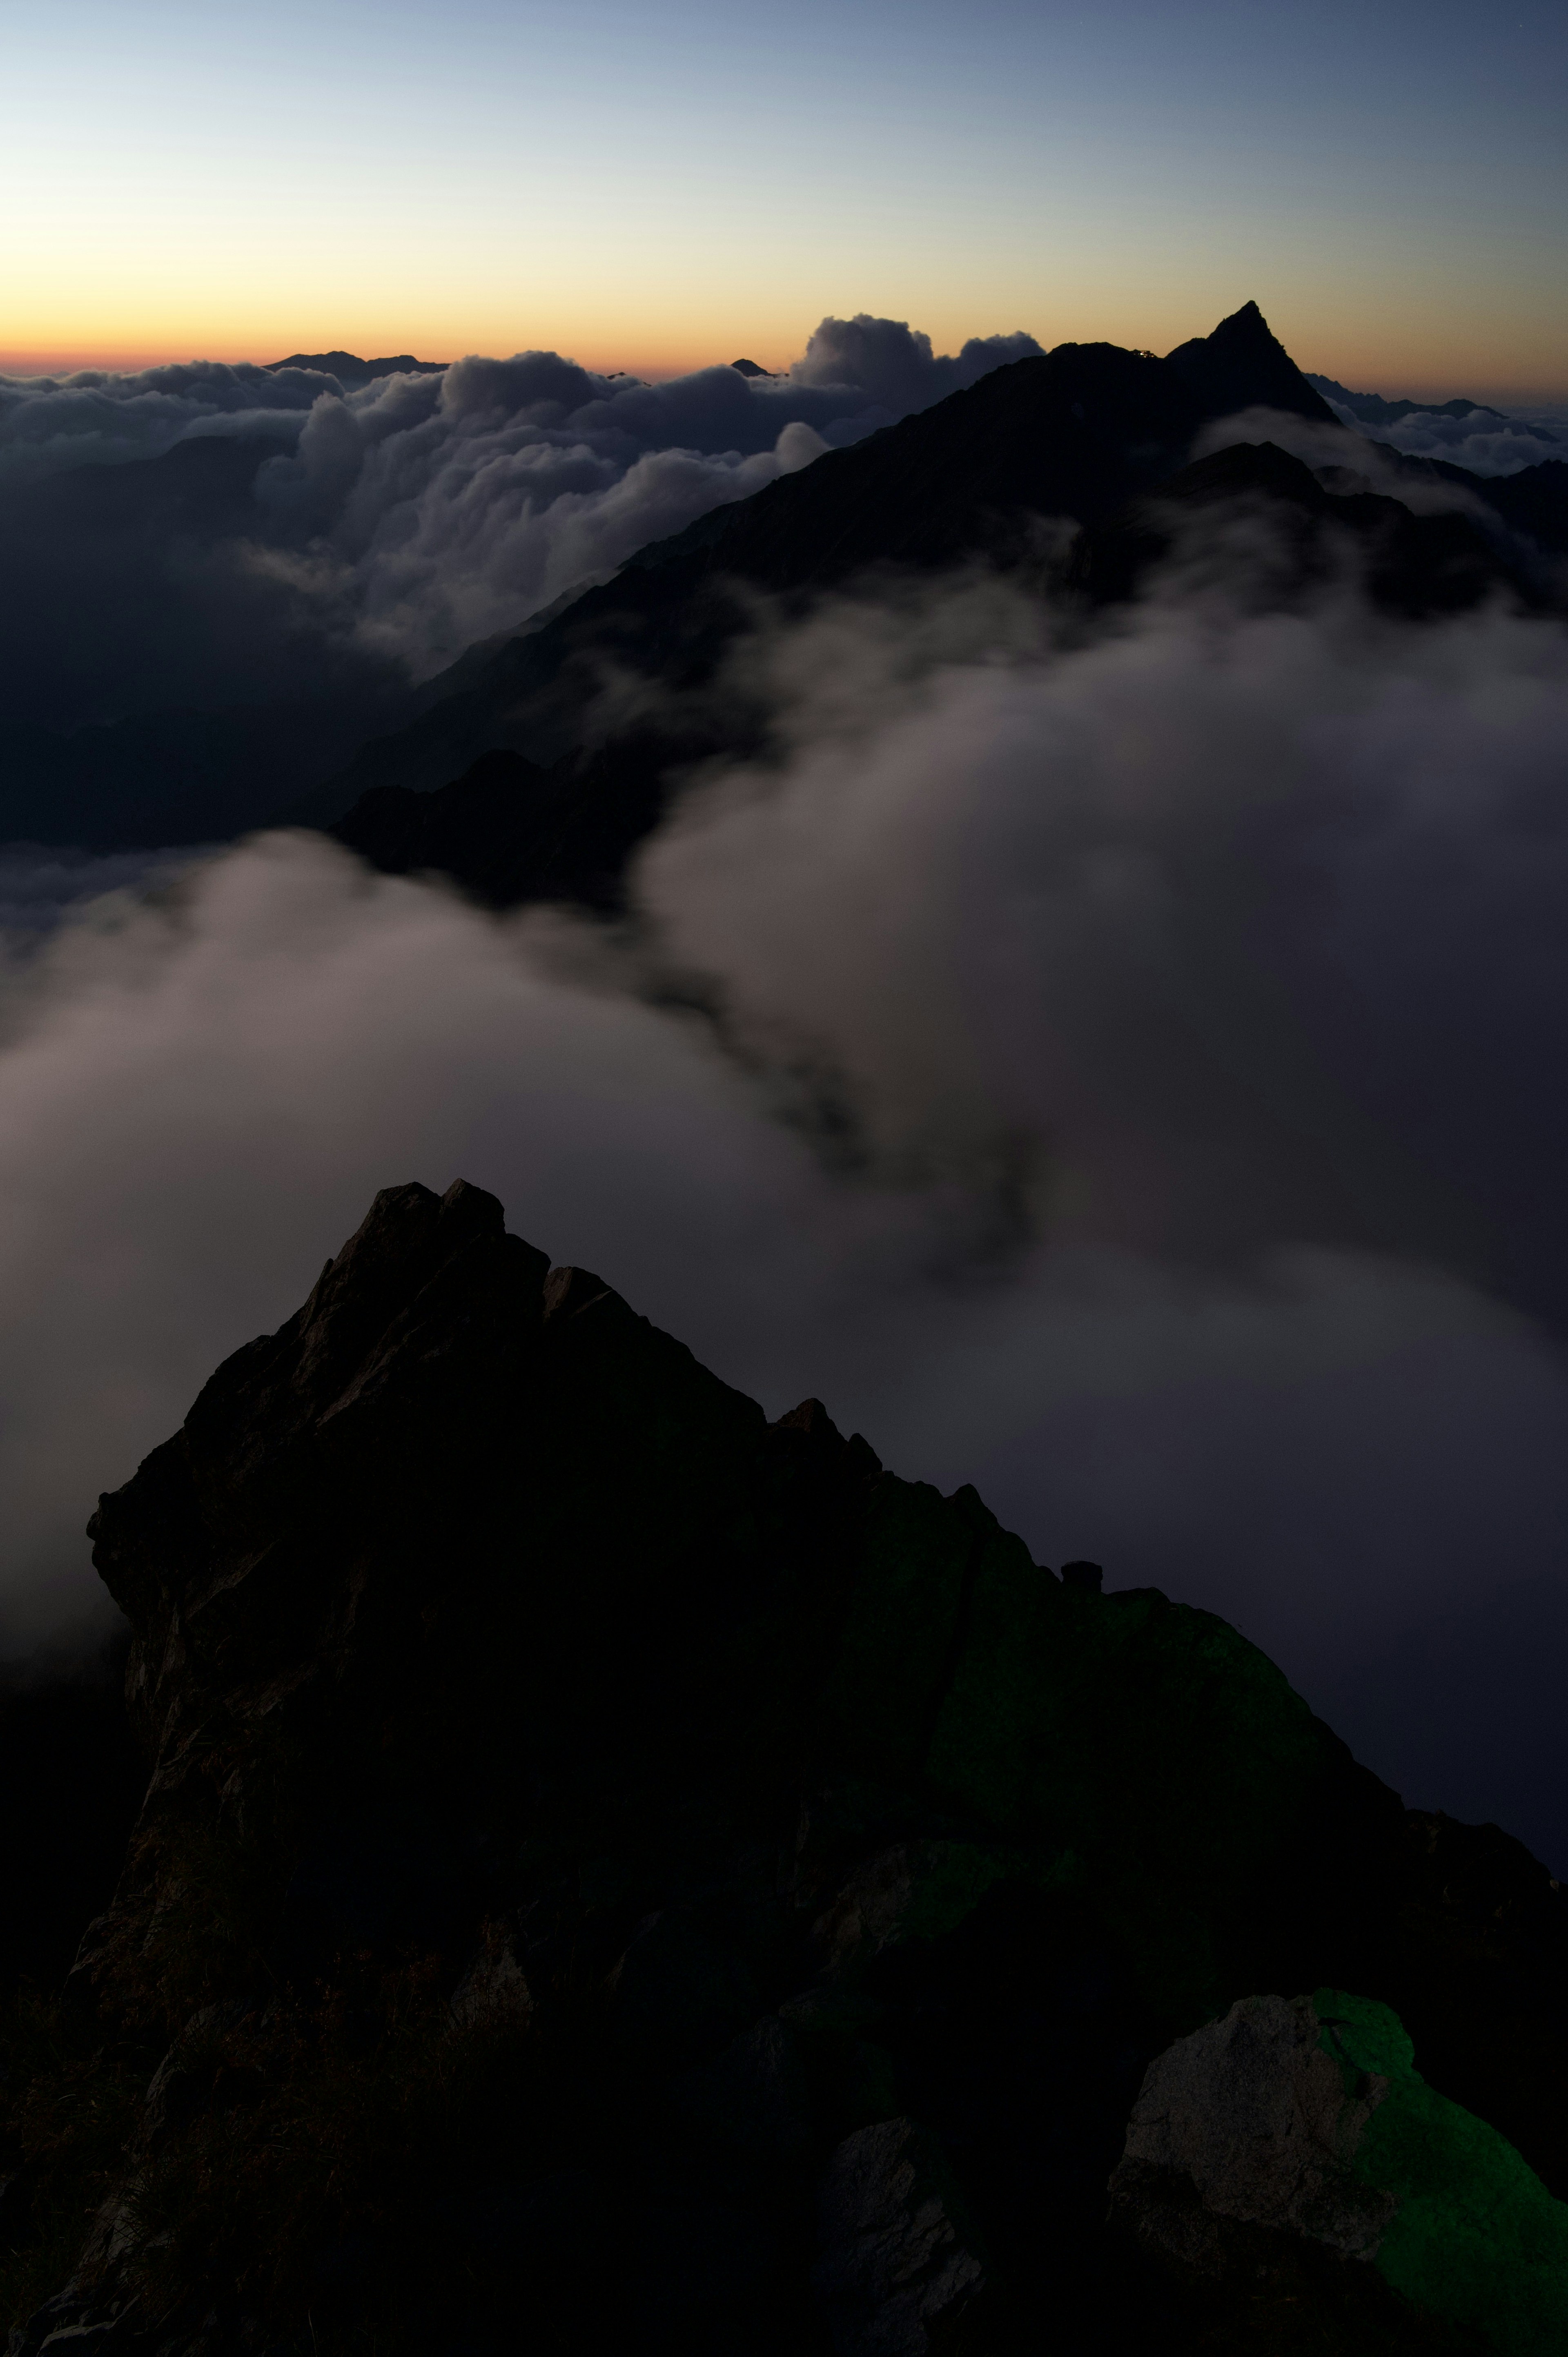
x=484 y=1644
x=1243 y=365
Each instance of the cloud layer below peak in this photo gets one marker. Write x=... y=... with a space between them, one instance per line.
x=381 y=528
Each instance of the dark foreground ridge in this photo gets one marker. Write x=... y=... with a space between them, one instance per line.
x=615 y=1872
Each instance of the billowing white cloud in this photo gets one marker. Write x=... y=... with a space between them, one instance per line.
x=104 y=417
x=392 y=523
x=894 y=365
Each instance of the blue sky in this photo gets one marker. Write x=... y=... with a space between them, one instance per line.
x=647 y=186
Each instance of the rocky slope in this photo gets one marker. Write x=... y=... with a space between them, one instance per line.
x=615 y=1871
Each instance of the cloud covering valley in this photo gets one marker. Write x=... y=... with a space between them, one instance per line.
x=260 y=533
x=1117 y=1069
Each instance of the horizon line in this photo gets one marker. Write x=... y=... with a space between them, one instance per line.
x=122 y=358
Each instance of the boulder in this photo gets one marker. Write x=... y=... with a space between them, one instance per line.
x=1305 y=2117
x=1252 y=2112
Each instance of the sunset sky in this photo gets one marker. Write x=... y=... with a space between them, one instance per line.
x=652 y=187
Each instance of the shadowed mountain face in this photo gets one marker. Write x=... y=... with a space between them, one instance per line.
x=1073 y=435
x=1535 y=502
x=992 y=475
x=511 y=830
x=536 y=802
x=1413 y=565
x=615 y=1867
x=1242 y=366
x=538 y=814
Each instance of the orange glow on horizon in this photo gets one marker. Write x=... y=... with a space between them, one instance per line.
x=638 y=356
x=1412 y=357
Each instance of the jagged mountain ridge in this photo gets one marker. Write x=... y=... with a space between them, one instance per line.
x=910 y=500
x=1075 y=432
x=612 y=1865
x=1089 y=433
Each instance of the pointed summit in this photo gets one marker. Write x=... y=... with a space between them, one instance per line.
x=1242 y=366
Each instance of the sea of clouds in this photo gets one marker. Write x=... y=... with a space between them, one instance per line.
x=1482 y=441
x=217 y=537
x=347 y=535
x=1121 y=1071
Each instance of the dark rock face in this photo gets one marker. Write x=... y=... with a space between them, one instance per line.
x=614 y=1869
x=1535 y=502
x=896 y=2276
x=497 y=830
x=64 y=1745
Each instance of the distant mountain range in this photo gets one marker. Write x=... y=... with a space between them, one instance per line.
x=352 y=371
x=1373 y=409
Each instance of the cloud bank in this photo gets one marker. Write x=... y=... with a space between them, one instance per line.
x=1122 y=1074
x=330 y=536
x=1481 y=441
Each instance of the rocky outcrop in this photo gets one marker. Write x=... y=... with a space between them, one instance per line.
x=1251 y=2114
x=897 y=2274
x=616 y=1870
x=1304 y=2118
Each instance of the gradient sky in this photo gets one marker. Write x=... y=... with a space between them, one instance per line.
x=652 y=187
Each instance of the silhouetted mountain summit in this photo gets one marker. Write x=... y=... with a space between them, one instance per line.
x=990 y=475
x=1242 y=366
x=615 y=1872
x=1089 y=434
x=352 y=371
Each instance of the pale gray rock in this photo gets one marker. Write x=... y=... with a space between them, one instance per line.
x=1250 y=2120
